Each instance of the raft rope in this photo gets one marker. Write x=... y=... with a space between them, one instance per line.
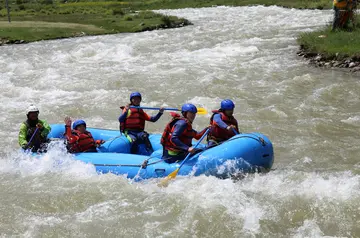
x=145 y=163
x=257 y=138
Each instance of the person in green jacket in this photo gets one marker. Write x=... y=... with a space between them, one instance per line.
x=33 y=132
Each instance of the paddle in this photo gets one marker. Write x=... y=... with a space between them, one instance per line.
x=164 y=182
x=200 y=110
x=235 y=132
x=32 y=137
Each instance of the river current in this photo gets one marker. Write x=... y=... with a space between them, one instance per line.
x=247 y=54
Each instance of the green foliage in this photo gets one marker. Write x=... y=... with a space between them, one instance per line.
x=166 y=20
x=128 y=18
x=148 y=15
x=118 y=11
x=48 y=2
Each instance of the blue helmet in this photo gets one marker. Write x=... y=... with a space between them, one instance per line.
x=188 y=107
x=135 y=94
x=78 y=123
x=227 y=104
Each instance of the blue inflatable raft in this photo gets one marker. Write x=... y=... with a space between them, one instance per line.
x=242 y=153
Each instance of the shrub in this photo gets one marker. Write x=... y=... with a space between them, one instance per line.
x=148 y=15
x=47 y=2
x=118 y=11
x=166 y=20
x=21 y=7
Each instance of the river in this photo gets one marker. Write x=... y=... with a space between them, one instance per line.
x=247 y=54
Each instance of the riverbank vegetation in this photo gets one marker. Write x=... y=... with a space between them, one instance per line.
x=338 y=48
x=33 y=21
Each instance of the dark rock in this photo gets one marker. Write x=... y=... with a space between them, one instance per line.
x=356 y=58
x=310 y=55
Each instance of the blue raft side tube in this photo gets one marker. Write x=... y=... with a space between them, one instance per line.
x=241 y=153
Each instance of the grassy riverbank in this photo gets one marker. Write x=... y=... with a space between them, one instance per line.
x=338 y=45
x=51 y=19
x=33 y=22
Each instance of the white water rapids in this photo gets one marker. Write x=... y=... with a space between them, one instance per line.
x=243 y=53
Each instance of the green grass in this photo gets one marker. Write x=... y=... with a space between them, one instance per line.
x=332 y=45
x=88 y=22
x=81 y=18
x=35 y=31
x=109 y=17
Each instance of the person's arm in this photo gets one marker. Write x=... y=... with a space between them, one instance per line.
x=219 y=122
x=45 y=130
x=200 y=134
x=124 y=114
x=180 y=127
x=22 y=135
x=68 y=134
x=155 y=118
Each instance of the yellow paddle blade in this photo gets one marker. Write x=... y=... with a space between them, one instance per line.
x=201 y=111
x=165 y=181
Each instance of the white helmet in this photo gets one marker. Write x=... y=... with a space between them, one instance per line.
x=31 y=108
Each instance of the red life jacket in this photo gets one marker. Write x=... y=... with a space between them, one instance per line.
x=185 y=138
x=219 y=134
x=136 y=120
x=84 y=143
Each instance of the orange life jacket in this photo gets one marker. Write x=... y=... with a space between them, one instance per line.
x=219 y=134
x=85 y=142
x=135 y=121
x=185 y=138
